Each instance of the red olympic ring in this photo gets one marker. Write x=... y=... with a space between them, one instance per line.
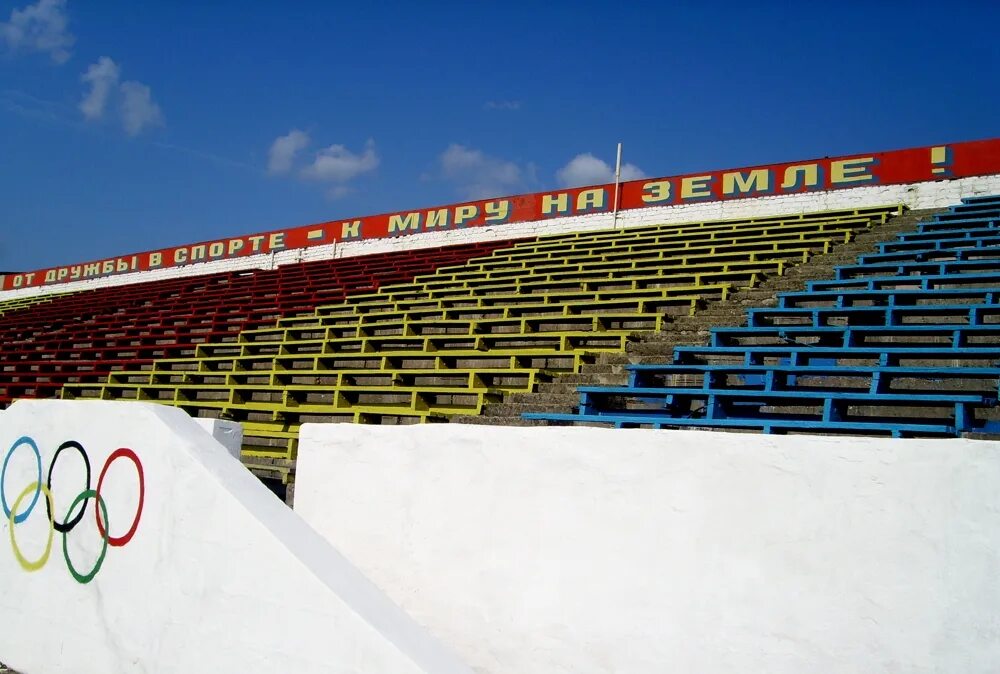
x=119 y=541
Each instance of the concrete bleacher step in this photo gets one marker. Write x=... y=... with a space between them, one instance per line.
x=561 y=396
x=516 y=409
x=569 y=387
x=483 y=420
x=541 y=398
x=981 y=436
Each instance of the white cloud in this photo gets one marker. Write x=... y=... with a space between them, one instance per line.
x=138 y=109
x=586 y=169
x=334 y=167
x=102 y=78
x=283 y=151
x=502 y=105
x=41 y=27
x=337 y=164
x=478 y=175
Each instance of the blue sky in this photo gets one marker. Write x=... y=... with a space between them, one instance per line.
x=128 y=126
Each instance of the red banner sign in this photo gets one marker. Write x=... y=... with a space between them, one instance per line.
x=941 y=162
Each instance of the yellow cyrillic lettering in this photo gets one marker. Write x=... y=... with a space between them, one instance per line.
x=656 y=192
x=497 y=211
x=591 y=200
x=465 y=213
x=852 y=171
x=398 y=224
x=277 y=241
x=558 y=203
x=802 y=175
x=756 y=181
x=350 y=230
x=438 y=218
x=696 y=187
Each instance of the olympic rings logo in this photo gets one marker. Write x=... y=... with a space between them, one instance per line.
x=38 y=489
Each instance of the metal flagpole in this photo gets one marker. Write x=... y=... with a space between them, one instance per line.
x=618 y=179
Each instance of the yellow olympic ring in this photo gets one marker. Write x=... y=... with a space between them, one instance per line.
x=25 y=563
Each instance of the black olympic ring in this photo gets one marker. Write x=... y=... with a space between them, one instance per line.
x=66 y=527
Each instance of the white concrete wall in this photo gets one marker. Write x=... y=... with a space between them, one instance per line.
x=915 y=195
x=220 y=577
x=558 y=550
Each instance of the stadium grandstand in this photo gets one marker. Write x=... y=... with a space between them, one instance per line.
x=390 y=373
x=844 y=295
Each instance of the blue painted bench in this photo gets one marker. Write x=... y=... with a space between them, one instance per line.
x=966 y=210
x=730 y=403
x=981 y=199
x=942 y=243
x=958 y=336
x=806 y=355
x=888 y=298
x=983 y=229
x=894 y=429
x=943 y=227
x=851 y=271
x=970 y=253
x=968 y=314
x=924 y=282
x=782 y=377
x=953 y=229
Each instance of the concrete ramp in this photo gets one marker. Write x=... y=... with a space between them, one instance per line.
x=558 y=550
x=133 y=542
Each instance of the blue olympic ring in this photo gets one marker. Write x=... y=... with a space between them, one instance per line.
x=24 y=439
